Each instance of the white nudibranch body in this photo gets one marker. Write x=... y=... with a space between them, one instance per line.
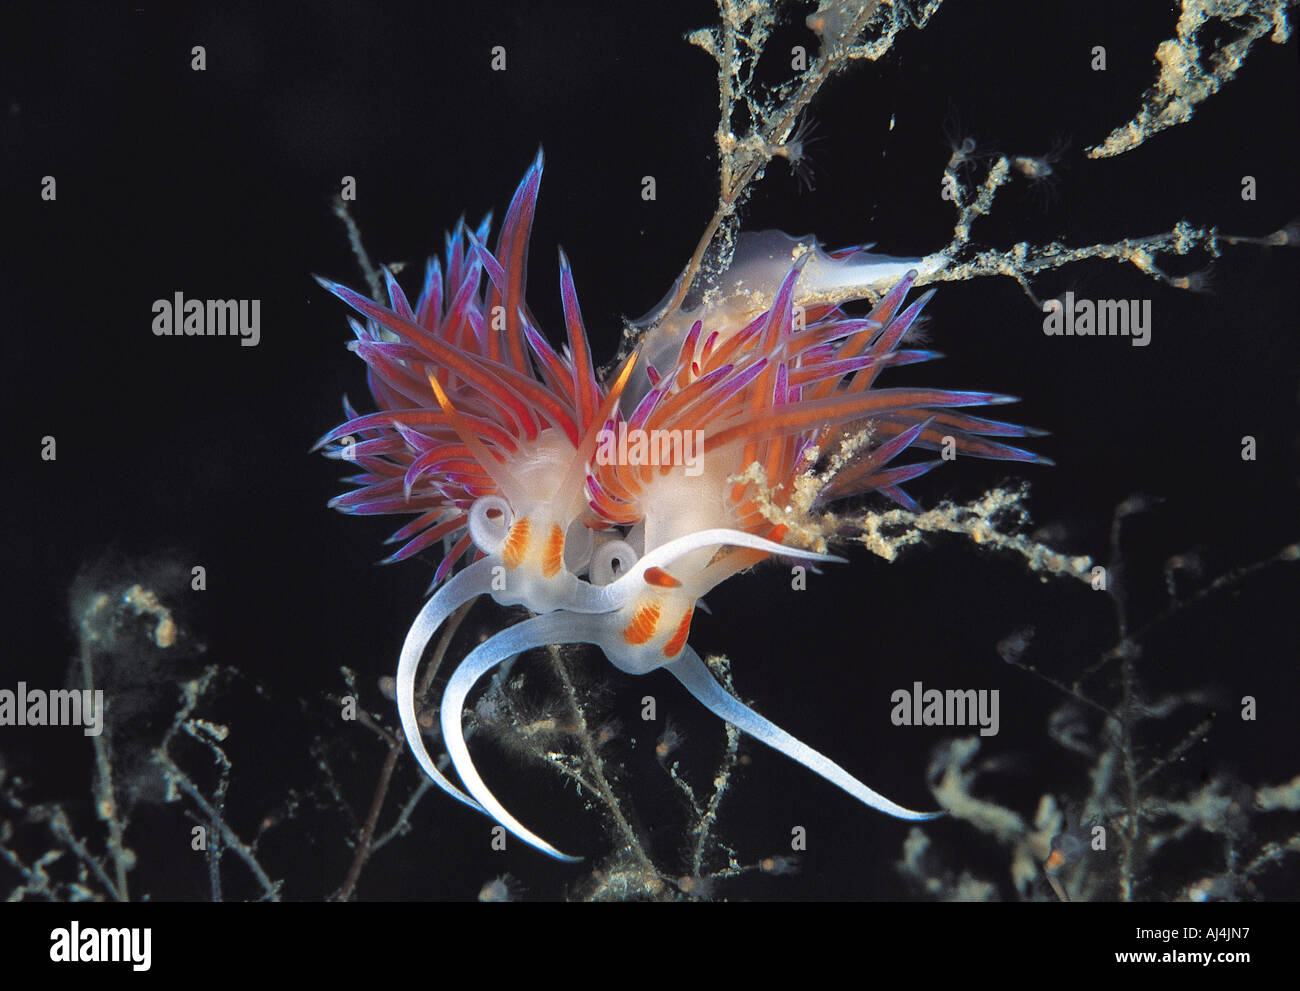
x=489 y=436
x=748 y=287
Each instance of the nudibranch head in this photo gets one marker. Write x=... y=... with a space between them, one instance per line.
x=611 y=509
x=480 y=423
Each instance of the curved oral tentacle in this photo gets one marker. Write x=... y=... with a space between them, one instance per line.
x=539 y=631
x=474 y=580
x=691 y=672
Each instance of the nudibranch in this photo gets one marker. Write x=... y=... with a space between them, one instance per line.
x=496 y=444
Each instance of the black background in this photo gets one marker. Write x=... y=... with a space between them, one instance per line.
x=219 y=184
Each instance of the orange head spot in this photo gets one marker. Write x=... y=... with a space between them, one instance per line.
x=1055 y=861
x=660 y=578
x=553 y=556
x=516 y=545
x=674 y=646
x=644 y=623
